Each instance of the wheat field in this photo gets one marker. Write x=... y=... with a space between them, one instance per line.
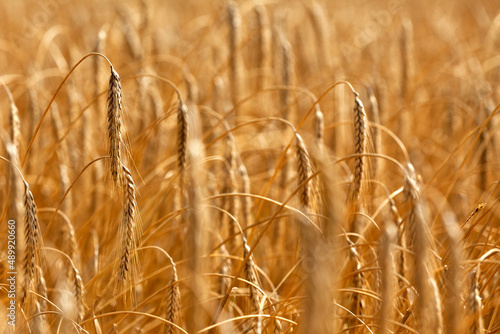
x=238 y=166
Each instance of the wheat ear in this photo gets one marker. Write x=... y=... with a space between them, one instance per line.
x=70 y=240
x=407 y=57
x=79 y=291
x=304 y=170
x=263 y=44
x=225 y=270
x=251 y=276
x=360 y=141
x=473 y=305
x=114 y=125
x=417 y=241
x=287 y=76
x=234 y=20
x=173 y=299
x=375 y=132
x=319 y=131
x=15 y=123
x=233 y=204
x=128 y=223
x=246 y=202
x=453 y=309
x=39 y=323
x=182 y=141
x=357 y=298
x=319 y=22
x=32 y=239
x=317 y=276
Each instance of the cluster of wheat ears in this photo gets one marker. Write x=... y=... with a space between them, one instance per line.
x=250 y=166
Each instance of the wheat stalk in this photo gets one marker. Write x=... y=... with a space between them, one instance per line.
x=453 y=314
x=64 y=158
x=434 y=315
x=387 y=278
x=195 y=245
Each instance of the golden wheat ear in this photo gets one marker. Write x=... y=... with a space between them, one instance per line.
x=128 y=236
x=234 y=20
x=114 y=125
x=304 y=171
x=173 y=300
x=473 y=305
x=32 y=242
x=182 y=142
x=360 y=140
x=251 y=276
